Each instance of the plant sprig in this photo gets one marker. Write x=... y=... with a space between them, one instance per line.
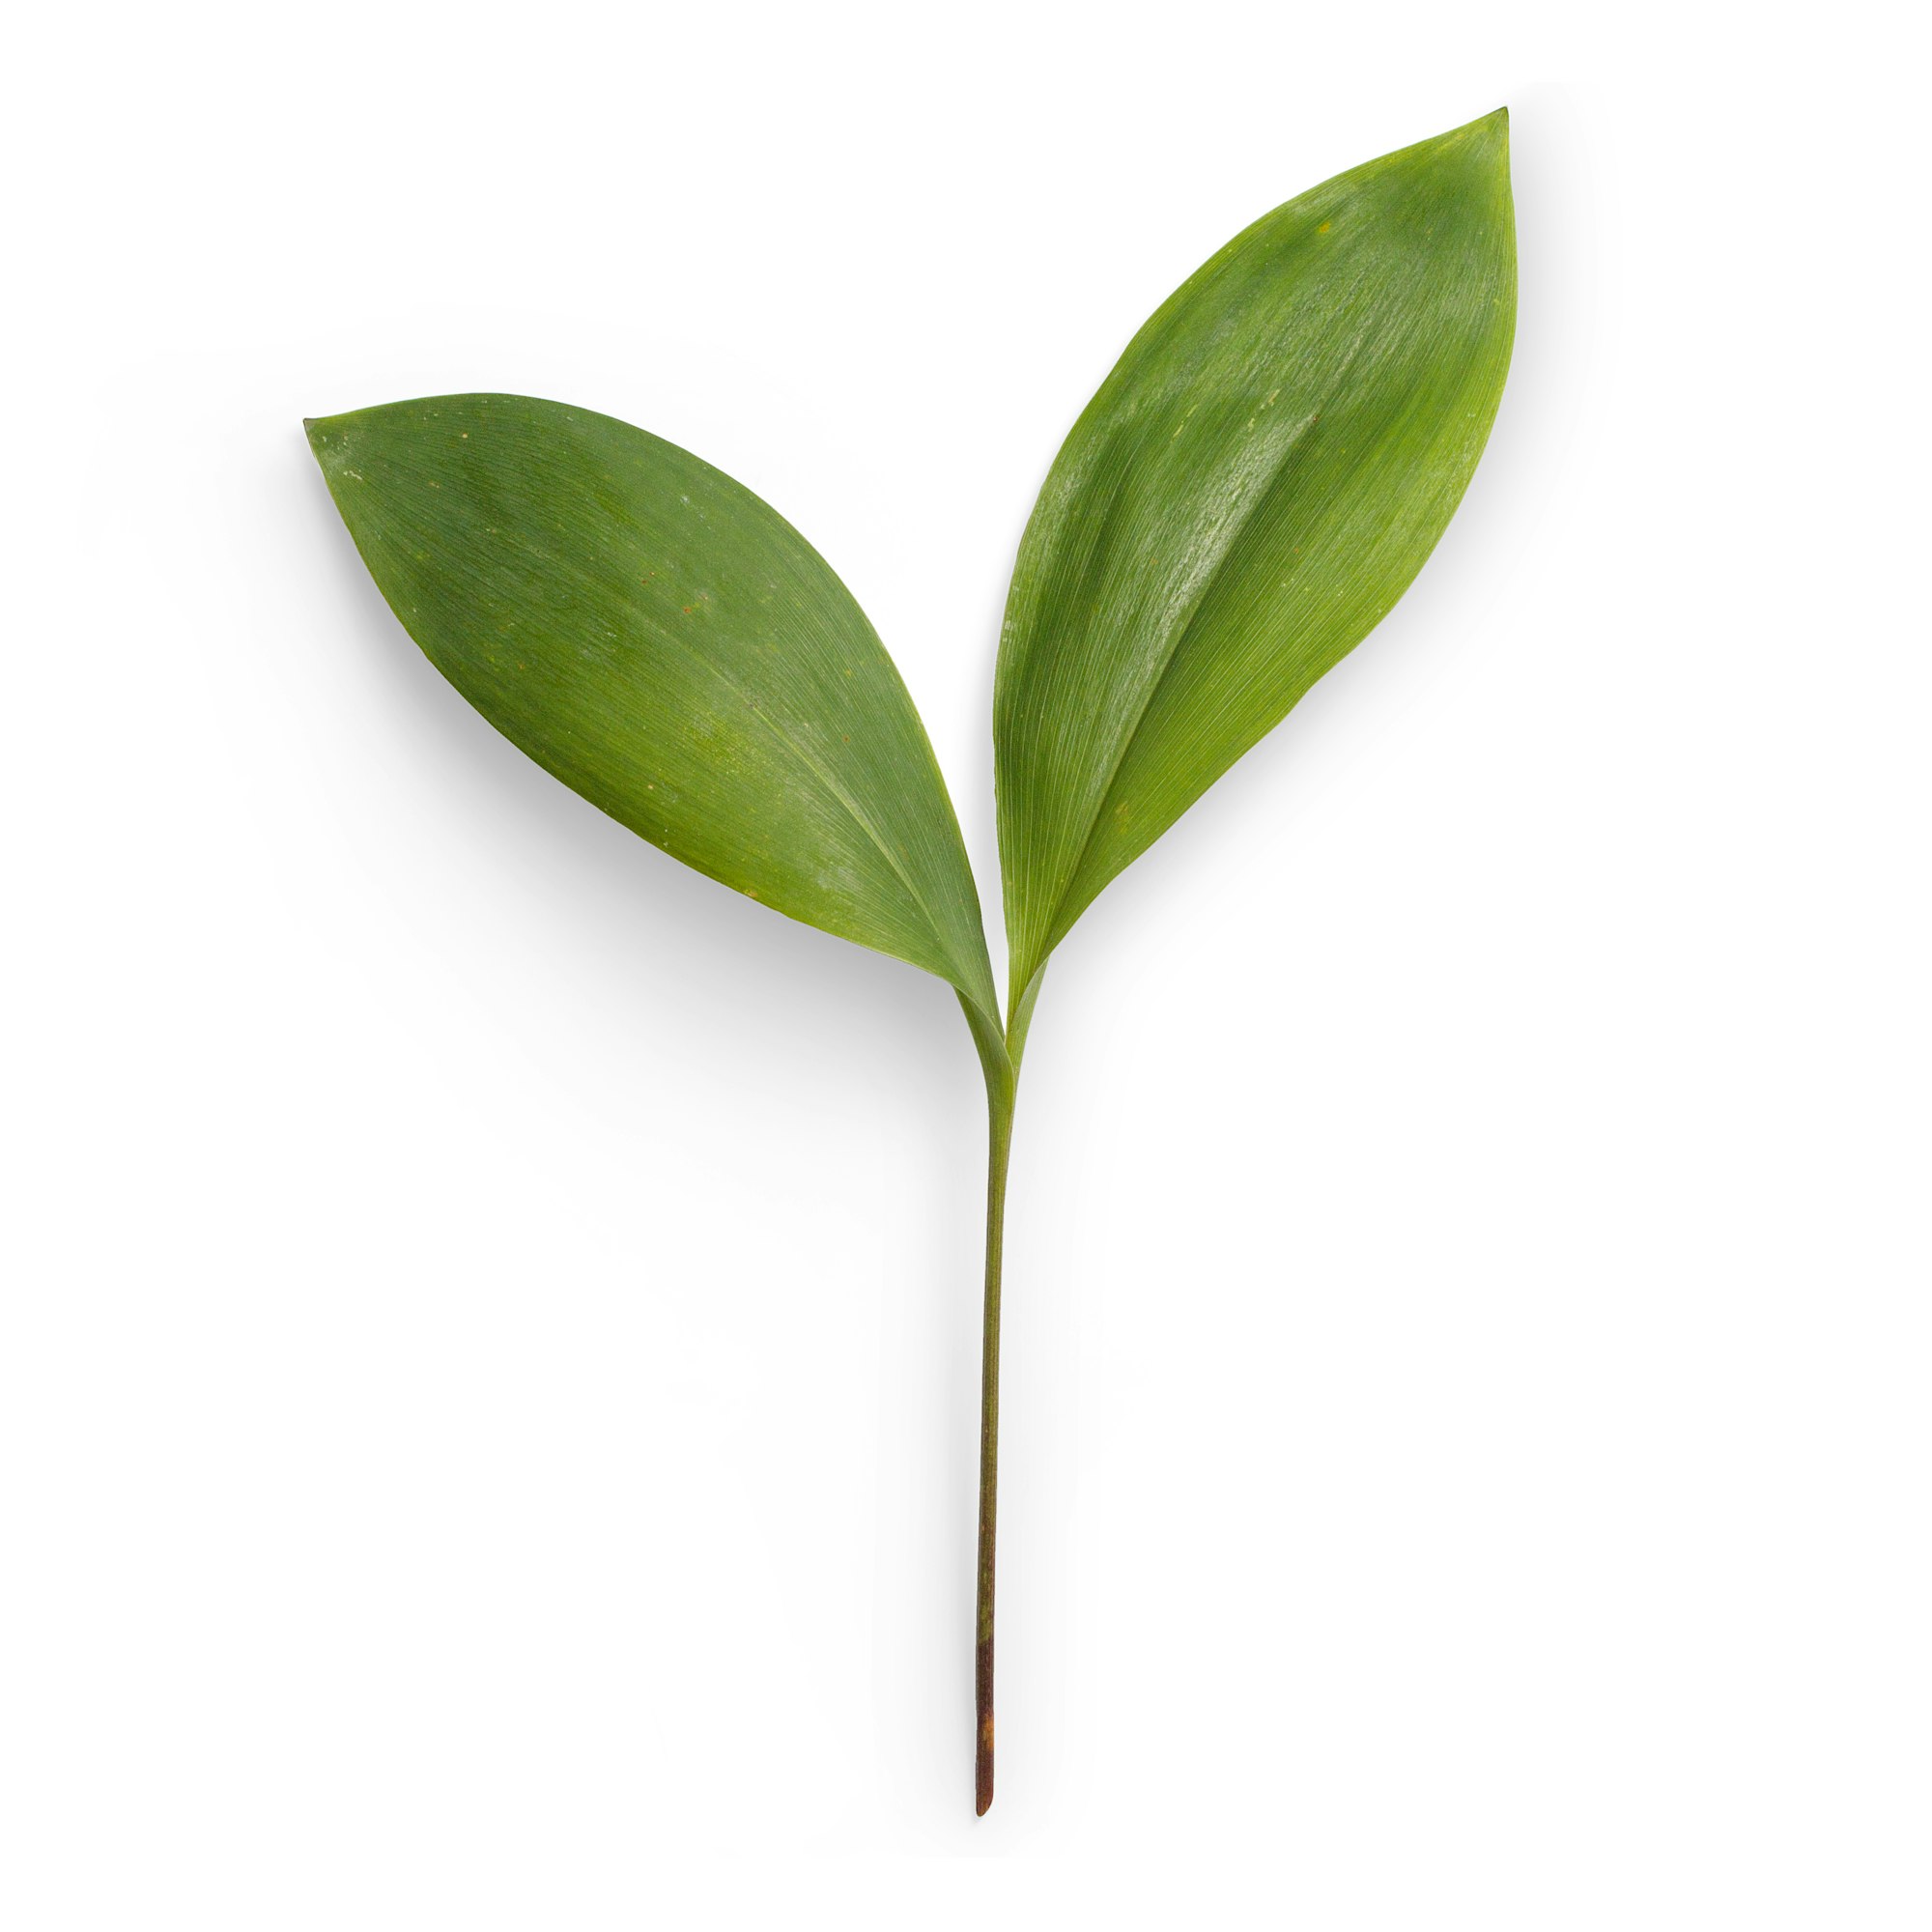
x=1251 y=489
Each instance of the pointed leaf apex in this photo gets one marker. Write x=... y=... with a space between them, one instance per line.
x=1490 y=134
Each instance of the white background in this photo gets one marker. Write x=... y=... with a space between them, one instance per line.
x=488 y=1379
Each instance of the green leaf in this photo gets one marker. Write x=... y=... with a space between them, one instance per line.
x=670 y=648
x=1255 y=484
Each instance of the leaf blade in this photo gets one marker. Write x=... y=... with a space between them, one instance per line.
x=663 y=642
x=1248 y=493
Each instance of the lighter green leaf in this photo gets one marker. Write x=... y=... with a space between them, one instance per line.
x=1254 y=484
x=671 y=649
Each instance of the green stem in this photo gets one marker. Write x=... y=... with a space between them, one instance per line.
x=1000 y=1142
x=1000 y=1056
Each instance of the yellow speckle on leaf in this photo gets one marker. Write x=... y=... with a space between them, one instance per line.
x=1322 y=228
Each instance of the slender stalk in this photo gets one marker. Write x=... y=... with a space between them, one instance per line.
x=1000 y=1057
x=1000 y=1141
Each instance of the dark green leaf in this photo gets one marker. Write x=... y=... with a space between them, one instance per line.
x=670 y=648
x=1255 y=484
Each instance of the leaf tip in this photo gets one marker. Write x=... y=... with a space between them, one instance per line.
x=1479 y=149
x=1489 y=129
x=1494 y=131
x=328 y=443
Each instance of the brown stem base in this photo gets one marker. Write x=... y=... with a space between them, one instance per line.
x=982 y=1749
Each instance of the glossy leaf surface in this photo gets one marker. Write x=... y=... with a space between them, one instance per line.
x=1256 y=483
x=667 y=645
